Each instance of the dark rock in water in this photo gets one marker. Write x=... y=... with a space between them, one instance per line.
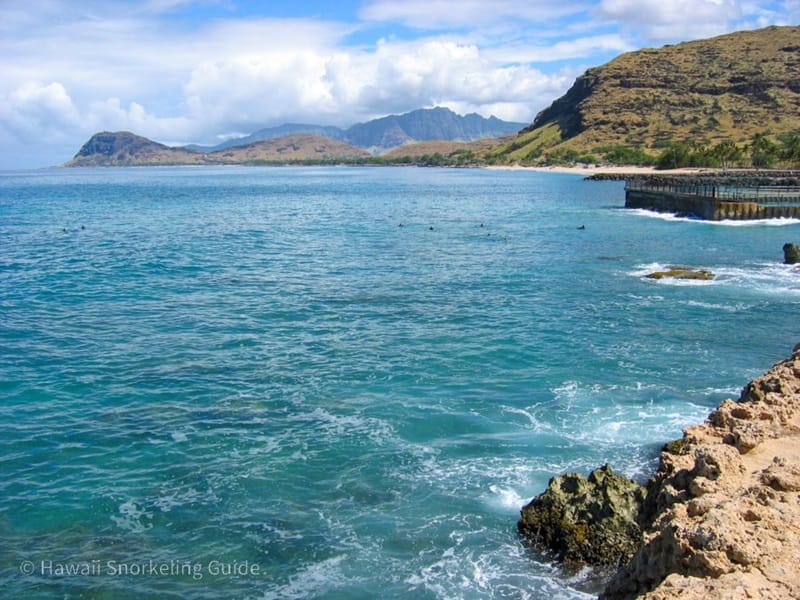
x=586 y=520
x=791 y=254
x=675 y=272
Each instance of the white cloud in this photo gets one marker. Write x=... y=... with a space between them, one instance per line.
x=676 y=20
x=110 y=114
x=35 y=110
x=240 y=95
x=581 y=47
x=432 y=14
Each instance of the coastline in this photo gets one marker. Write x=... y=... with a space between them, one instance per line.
x=720 y=517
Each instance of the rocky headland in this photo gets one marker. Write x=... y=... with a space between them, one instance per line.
x=719 y=519
x=725 y=88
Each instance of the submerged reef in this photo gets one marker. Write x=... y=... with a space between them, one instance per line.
x=679 y=272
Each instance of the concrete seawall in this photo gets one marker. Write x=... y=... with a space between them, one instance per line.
x=710 y=209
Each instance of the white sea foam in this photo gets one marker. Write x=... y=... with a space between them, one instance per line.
x=507 y=497
x=132 y=518
x=536 y=424
x=183 y=497
x=769 y=278
x=780 y=222
x=313 y=580
x=716 y=306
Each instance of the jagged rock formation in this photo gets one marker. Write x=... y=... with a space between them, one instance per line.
x=722 y=515
x=586 y=520
x=724 y=88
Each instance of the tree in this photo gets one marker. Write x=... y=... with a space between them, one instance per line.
x=763 y=151
x=791 y=149
x=675 y=156
x=727 y=153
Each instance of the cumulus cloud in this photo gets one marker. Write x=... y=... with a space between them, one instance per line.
x=659 y=21
x=36 y=110
x=239 y=95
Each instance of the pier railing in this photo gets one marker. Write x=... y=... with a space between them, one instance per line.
x=764 y=195
x=715 y=199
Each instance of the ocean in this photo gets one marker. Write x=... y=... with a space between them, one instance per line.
x=344 y=382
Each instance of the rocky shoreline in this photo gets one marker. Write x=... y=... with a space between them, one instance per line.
x=719 y=519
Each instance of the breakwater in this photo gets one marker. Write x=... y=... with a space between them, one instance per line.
x=745 y=195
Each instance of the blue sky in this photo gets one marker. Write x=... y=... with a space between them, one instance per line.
x=201 y=71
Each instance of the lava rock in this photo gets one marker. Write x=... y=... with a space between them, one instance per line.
x=586 y=520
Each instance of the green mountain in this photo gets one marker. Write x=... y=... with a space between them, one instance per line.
x=704 y=92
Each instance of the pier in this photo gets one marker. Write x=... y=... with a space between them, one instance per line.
x=717 y=197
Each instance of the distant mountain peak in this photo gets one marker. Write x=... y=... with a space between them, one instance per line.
x=391 y=131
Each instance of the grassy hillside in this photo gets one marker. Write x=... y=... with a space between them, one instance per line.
x=124 y=149
x=290 y=148
x=701 y=93
x=444 y=153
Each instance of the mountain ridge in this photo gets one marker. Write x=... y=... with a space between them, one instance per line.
x=385 y=133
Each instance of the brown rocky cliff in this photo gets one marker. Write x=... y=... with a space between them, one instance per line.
x=727 y=88
x=722 y=515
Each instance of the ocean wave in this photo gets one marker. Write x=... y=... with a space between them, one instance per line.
x=507 y=498
x=769 y=278
x=778 y=222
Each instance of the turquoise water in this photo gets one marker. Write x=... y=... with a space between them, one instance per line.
x=282 y=383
